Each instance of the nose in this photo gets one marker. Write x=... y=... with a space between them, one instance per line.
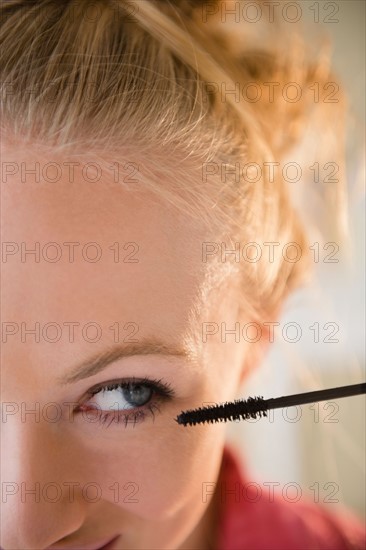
x=40 y=501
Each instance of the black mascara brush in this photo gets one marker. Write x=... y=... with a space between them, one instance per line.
x=256 y=407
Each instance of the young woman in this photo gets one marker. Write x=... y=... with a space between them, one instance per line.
x=140 y=142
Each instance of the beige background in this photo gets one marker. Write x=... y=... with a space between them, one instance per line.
x=324 y=451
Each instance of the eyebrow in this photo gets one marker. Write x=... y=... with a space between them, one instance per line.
x=101 y=360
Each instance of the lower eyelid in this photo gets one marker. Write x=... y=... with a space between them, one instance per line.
x=108 y=419
x=115 y=418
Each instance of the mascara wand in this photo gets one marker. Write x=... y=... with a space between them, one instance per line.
x=256 y=407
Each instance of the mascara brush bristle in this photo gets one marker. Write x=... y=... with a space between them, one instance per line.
x=253 y=407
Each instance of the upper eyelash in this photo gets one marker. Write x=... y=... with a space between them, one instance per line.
x=162 y=390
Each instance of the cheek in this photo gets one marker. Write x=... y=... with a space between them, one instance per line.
x=157 y=477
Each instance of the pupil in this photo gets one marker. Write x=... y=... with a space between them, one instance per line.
x=137 y=394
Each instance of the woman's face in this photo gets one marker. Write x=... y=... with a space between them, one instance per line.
x=80 y=466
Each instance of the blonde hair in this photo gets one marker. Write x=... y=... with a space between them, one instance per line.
x=158 y=71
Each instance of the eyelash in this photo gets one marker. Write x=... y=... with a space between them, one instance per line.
x=162 y=392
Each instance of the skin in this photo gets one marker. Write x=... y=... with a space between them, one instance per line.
x=165 y=464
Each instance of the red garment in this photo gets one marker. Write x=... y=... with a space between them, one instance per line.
x=254 y=518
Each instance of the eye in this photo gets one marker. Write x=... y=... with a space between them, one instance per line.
x=127 y=401
x=122 y=396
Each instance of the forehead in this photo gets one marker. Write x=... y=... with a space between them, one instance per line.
x=136 y=235
x=79 y=251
